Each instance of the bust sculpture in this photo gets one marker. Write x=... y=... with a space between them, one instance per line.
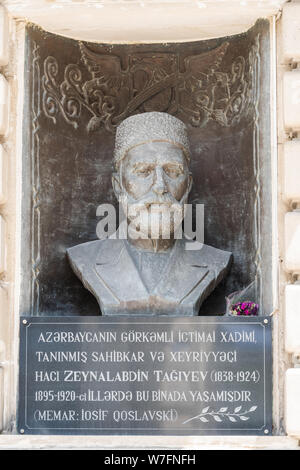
x=145 y=275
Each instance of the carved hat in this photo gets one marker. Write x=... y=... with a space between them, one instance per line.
x=150 y=127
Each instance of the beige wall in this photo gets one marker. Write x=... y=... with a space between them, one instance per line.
x=9 y=201
x=143 y=20
x=288 y=58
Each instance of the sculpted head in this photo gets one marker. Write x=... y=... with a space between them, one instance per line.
x=152 y=178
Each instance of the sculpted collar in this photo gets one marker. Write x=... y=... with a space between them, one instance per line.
x=115 y=266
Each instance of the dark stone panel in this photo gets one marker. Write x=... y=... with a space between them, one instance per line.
x=132 y=392
x=69 y=133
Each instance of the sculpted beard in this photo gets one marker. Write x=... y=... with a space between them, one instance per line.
x=153 y=216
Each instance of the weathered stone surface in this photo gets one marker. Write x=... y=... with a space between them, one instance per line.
x=145 y=21
x=292 y=318
x=290 y=32
x=292 y=241
x=4 y=36
x=4 y=103
x=3 y=174
x=292 y=403
x=2 y=245
x=291 y=100
x=17 y=442
x=291 y=173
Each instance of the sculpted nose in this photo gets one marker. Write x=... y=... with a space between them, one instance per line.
x=159 y=186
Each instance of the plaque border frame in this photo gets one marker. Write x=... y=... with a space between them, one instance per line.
x=27 y=321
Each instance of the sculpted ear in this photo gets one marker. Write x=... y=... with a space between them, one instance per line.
x=116 y=184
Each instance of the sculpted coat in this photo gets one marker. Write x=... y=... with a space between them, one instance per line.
x=112 y=275
x=150 y=274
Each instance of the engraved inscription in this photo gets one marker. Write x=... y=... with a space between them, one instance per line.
x=146 y=377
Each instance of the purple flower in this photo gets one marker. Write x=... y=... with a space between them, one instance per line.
x=244 y=308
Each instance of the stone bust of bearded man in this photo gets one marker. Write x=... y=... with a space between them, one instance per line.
x=148 y=274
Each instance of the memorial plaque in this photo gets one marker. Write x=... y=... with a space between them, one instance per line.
x=169 y=376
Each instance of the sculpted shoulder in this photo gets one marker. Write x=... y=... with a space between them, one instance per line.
x=208 y=255
x=87 y=254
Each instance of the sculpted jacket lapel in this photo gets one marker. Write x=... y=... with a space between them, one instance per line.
x=181 y=275
x=179 y=278
x=114 y=264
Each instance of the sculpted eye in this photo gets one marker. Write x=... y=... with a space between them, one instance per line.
x=173 y=171
x=143 y=171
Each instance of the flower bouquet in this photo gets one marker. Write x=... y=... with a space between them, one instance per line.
x=243 y=303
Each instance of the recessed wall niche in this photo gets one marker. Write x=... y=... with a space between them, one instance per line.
x=76 y=93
